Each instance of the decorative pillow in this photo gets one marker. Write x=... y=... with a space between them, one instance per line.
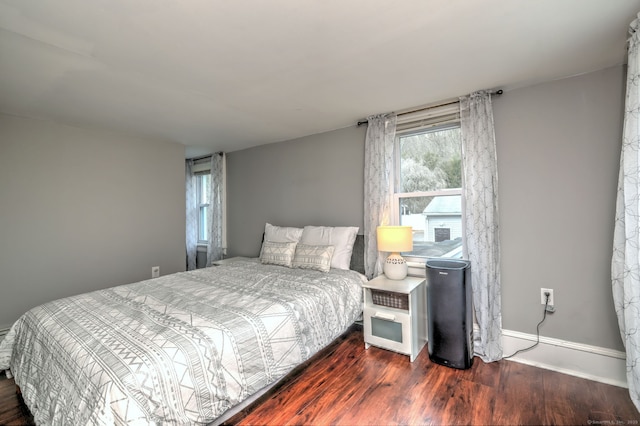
x=313 y=257
x=341 y=237
x=274 y=253
x=281 y=234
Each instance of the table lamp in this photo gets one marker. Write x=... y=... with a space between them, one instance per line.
x=395 y=239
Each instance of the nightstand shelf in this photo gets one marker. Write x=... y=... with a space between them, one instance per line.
x=395 y=314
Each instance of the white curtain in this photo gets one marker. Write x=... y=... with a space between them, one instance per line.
x=625 y=265
x=191 y=216
x=378 y=163
x=480 y=194
x=215 y=248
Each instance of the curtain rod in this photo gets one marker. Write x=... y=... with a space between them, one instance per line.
x=202 y=157
x=493 y=92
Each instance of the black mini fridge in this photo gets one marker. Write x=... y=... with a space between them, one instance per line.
x=449 y=312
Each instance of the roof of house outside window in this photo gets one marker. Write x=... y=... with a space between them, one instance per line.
x=444 y=204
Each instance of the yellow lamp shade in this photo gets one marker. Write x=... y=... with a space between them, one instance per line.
x=395 y=239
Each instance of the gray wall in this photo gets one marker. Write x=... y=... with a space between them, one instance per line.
x=82 y=210
x=558 y=157
x=558 y=149
x=316 y=180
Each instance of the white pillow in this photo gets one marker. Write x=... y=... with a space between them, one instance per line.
x=281 y=234
x=313 y=257
x=273 y=253
x=341 y=237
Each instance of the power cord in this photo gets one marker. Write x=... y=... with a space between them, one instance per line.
x=547 y=308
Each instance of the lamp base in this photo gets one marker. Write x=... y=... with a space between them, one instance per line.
x=395 y=267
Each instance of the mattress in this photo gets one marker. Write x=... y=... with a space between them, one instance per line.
x=179 y=349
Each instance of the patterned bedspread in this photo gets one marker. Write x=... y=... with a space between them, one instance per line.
x=179 y=349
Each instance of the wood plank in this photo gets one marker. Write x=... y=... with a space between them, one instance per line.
x=560 y=407
x=469 y=404
x=520 y=397
x=572 y=399
x=13 y=411
x=381 y=375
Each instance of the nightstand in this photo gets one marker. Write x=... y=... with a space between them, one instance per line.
x=227 y=261
x=395 y=314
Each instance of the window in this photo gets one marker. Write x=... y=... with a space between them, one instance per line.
x=203 y=189
x=428 y=189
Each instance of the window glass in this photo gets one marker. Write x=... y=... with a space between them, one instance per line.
x=204 y=191
x=204 y=188
x=428 y=191
x=437 y=229
x=430 y=160
x=202 y=224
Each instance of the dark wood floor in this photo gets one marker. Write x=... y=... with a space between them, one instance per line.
x=349 y=385
x=12 y=408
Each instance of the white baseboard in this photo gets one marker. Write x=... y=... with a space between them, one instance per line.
x=577 y=359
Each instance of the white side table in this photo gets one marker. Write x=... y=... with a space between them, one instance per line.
x=395 y=314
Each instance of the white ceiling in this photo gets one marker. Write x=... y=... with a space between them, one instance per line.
x=230 y=74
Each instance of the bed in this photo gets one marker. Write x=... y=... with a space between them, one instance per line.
x=185 y=348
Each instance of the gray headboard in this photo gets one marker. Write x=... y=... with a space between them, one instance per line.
x=357 y=257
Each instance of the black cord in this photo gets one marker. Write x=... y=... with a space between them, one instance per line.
x=544 y=316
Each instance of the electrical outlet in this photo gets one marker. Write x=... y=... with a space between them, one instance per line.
x=543 y=297
x=155 y=271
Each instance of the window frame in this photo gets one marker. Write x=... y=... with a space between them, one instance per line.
x=396 y=196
